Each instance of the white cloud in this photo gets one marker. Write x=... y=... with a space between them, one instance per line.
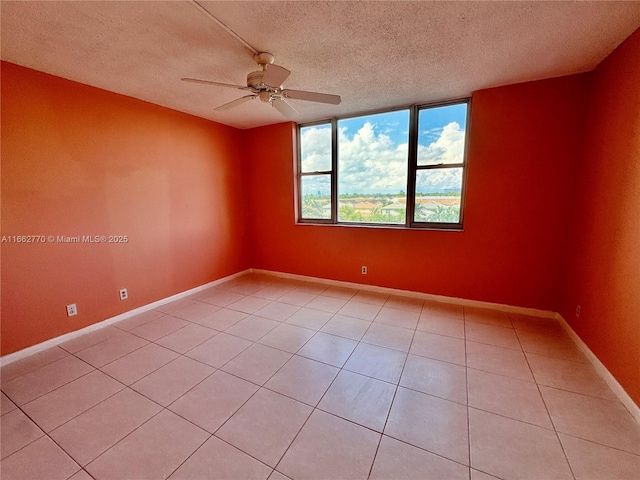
x=316 y=148
x=370 y=162
x=448 y=148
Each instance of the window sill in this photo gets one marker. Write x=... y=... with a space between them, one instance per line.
x=384 y=226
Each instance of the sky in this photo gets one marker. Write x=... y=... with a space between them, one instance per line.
x=372 y=151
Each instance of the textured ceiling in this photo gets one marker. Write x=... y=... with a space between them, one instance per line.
x=374 y=54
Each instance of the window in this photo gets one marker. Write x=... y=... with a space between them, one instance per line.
x=403 y=168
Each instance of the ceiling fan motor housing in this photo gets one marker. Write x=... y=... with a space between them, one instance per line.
x=254 y=80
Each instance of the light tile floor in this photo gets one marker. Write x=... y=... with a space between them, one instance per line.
x=263 y=377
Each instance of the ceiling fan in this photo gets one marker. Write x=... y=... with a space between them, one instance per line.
x=266 y=84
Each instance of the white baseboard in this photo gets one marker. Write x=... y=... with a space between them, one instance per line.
x=610 y=380
x=408 y=293
x=12 y=357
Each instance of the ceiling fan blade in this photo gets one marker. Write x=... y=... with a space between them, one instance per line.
x=284 y=108
x=208 y=82
x=234 y=103
x=312 y=96
x=275 y=75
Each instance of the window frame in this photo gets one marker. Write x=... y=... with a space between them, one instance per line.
x=412 y=170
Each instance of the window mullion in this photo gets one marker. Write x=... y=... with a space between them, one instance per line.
x=412 y=161
x=334 y=170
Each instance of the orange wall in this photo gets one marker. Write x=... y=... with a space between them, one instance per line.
x=604 y=258
x=81 y=161
x=522 y=147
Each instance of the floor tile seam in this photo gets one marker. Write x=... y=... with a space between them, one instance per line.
x=162 y=409
x=213 y=366
x=395 y=393
x=493 y=345
x=371 y=429
x=93 y=369
x=294 y=304
x=265 y=382
x=363 y=340
x=555 y=430
x=319 y=361
x=375 y=454
x=614 y=402
x=501 y=374
x=4 y=382
x=223 y=423
x=286 y=351
x=44 y=434
x=243 y=338
x=321 y=310
x=375 y=378
x=560 y=334
x=195 y=319
x=82 y=412
x=340 y=369
x=497 y=346
x=385 y=322
x=510 y=328
x=242 y=291
x=182 y=353
x=489 y=324
x=466 y=380
x=436 y=333
x=189 y=322
x=55 y=443
x=347 y=299
x=430 y=313
x=271 y=318
x=339 y=335
x=613 y=399
x=75 y=354
x=253 y=312
x=145 y=375
x=356 y=318
x=413 y=310
x=309 y=290
x=634 y=454
x=307 y=420
x=117 y=442
x=115 y=325
x=397 y=386
x=226 y=442
x=373 y=304
x=218 y=305
x=437 y=359
x=519 y=420
x=284 y=322
x=9 y=411
x=585 y=363
x=429 y=451
x=271 y=298
x=191 y=454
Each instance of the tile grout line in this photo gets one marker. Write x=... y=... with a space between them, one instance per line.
x=466 y=379
x=395 y=393
x=546 y=407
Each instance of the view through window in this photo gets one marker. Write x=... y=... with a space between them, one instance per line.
x=374 y=169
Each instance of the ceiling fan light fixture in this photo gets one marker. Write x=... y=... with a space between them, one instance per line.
x=265 y=96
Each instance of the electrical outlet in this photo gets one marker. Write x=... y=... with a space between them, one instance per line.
x=72 y=310
x=578 y=310
x=123 y=294
x=364 y=270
